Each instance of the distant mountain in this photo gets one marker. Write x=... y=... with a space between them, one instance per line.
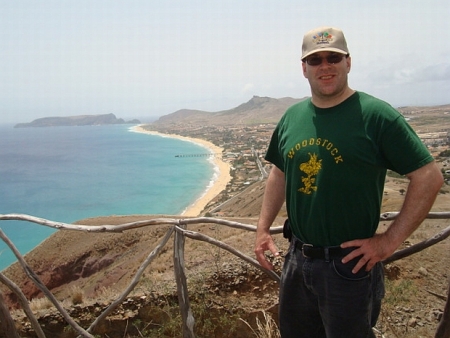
x=257 y=110
x=81 y=120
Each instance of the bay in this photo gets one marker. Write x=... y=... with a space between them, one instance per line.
x=70 y=173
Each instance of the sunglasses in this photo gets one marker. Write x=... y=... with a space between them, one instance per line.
x=331 y=59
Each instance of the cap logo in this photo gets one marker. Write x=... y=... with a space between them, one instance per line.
x=322 y=38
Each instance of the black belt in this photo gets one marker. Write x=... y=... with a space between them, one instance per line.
x=330 y=252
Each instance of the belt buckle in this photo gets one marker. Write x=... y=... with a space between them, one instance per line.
x=303 y=251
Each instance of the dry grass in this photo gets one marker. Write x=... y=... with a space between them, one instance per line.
x=39 y=304
x=77 y=295
x=107 y=294
x=266 y=328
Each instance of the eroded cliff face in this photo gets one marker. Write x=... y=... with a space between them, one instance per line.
x=78 y=271
x=91 y=261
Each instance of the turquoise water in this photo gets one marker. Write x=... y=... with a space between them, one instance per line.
x=70 y=173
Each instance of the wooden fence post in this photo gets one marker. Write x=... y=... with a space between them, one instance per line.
x=443 y=329
x=182 y=290
x=24 y=303
x=7 y=326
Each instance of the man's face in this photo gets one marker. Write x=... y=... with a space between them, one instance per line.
x=328 y=79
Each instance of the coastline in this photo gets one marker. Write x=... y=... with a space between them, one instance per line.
x=218 y=184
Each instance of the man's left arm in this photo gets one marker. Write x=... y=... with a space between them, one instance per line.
x=423 y=188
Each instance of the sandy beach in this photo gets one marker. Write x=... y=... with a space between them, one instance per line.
x=220 y=182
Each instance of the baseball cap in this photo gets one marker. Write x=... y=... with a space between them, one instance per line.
x=324 y=39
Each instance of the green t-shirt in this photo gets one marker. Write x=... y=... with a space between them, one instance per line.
x=335 y=163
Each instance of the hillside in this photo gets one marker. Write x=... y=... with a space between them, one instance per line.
x=257 y=110
x=261 y=110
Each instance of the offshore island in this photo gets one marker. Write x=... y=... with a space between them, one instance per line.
x=80 y=120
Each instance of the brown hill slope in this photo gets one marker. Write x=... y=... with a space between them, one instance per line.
x=257 y=110
x=94 y=261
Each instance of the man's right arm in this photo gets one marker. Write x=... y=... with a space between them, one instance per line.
x=274 y=196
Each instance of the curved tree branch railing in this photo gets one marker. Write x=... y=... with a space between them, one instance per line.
x=178 y=227
x=36 y=280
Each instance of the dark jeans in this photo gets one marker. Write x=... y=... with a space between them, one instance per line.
x=320 y=298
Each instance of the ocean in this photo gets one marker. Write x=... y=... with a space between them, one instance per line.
x=69 y=173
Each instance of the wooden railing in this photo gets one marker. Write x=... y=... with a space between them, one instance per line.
x=178 y=228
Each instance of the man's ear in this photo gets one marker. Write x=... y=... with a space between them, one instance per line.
x=348 y=59
x=304 y=69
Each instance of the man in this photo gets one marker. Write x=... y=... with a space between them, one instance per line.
x=330 y=156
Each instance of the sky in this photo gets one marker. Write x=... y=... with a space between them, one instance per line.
x=147 y=58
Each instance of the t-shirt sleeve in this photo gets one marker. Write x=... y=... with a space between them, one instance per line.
x=402 y=148
x=273 y=154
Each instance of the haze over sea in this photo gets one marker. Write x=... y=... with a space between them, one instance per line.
x=69 y=173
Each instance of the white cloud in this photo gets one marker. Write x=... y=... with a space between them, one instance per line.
x=248 y=88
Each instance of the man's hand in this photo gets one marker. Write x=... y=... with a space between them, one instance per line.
x=373 y=250
x=264 y=242
x=271 y=205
